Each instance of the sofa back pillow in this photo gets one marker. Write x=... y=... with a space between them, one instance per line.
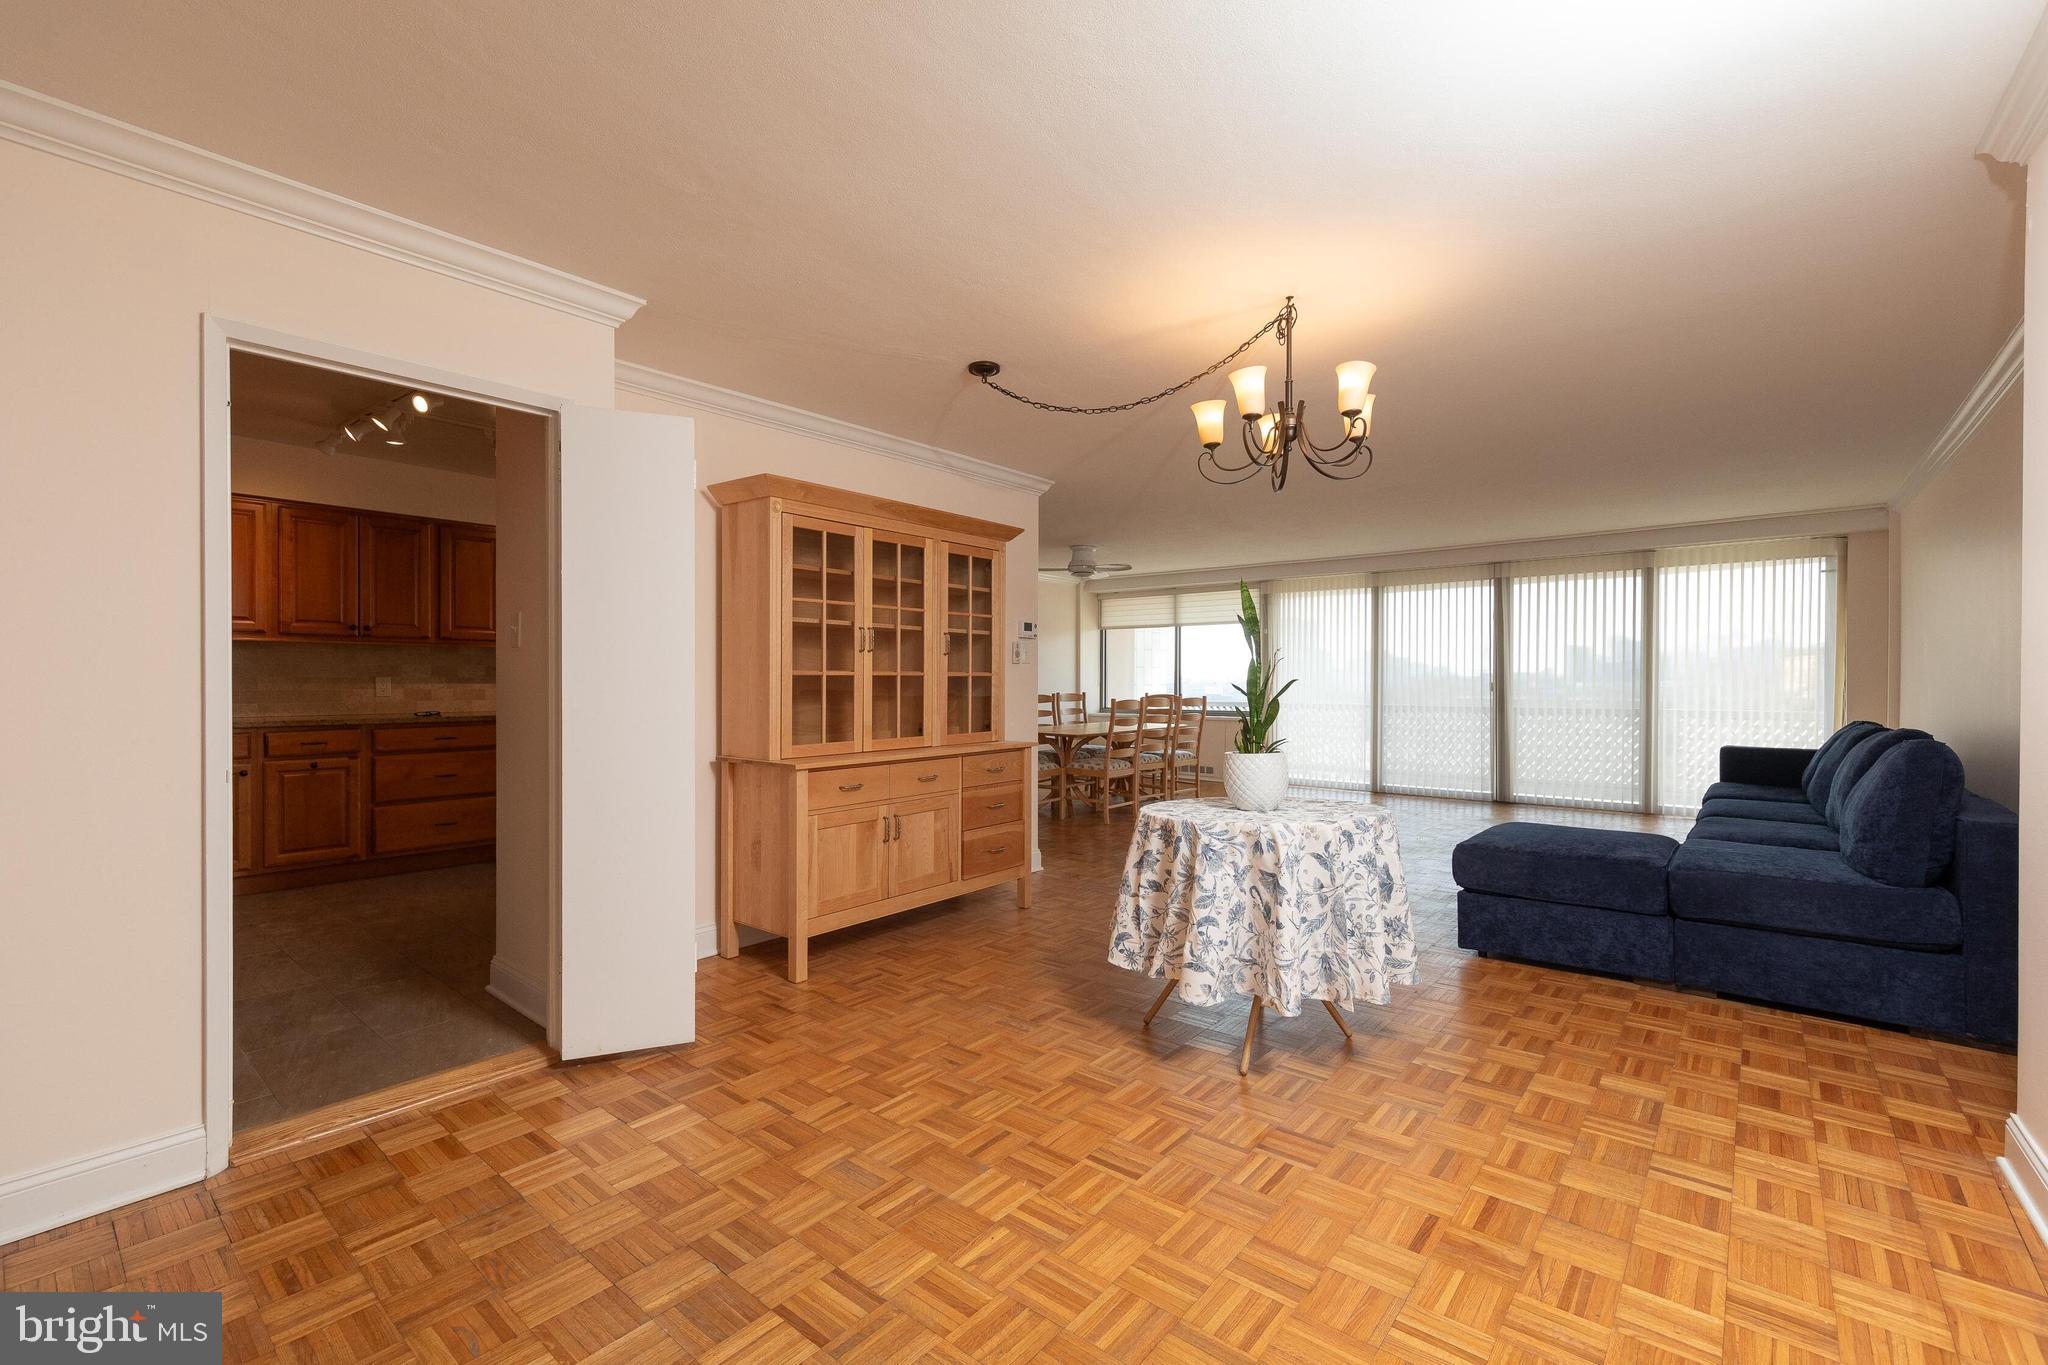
x=1856 y=765
x=1827 y=760
x=1899 y=824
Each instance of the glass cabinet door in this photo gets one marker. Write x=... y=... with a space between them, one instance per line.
x=969 y=646
x=821 y=647
x=898 y=660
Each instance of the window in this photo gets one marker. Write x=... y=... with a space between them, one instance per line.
x=1186 y=644
x=1608 y=682
x=1745 y=655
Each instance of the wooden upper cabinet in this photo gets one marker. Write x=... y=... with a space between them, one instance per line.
x=252 y=566
x=395 y=584
x=837 y=622
x=469 y=583
x=316 y=571
x=972 y=705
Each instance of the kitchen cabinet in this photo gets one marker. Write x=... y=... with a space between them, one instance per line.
x=312 y=811
x=862 y=769
x=316 y=572
x=468 y=582
x=301 y=571
x=395 y=577
x=248 y=807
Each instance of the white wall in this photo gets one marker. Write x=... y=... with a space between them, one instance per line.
x=1959 y=604
x=2032 y=1113
x=270 y=469
x=1059 y=637
x=730 y=448
x=107 y=280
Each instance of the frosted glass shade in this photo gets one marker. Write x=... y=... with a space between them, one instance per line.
x=1354 y=378
x=1361 y=425
x=1264 y=436
x=1209 y=421
x=1250 y=384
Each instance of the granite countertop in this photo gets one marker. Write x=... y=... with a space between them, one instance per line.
x=388 y=719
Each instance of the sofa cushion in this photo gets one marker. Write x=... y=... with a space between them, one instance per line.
x=1797 y=812
x=1858 y=763
x=1820 y=771
x=1806 y=891
x=1608 y=869
x=1751 y=791
x=1781 y=833
x=1899 y=824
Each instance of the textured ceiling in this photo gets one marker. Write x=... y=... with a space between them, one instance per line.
x=1620 y=264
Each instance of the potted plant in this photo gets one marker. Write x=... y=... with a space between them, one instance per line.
x=1255 y=771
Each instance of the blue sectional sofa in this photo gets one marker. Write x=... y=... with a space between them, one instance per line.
x=1861 y=878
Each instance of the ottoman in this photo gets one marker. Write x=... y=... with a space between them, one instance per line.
x=1594 y=899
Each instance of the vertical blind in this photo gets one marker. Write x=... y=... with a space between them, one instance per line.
x=1575 y=682
x=1609 y=682
x=1746 y=654
x=1436 y=682
x=1321 y=631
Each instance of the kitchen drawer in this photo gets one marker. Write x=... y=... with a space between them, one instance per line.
x=311 y=743
x=435 y=824
x=245 y=744
x=981 y=807
x=924 y=778
x=402 y=739
x=414 y=777
x=988 y=770
x=835 y=787
x=1000 y=849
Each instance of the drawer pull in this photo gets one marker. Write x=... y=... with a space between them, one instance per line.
x=312 y=767
x=899 y=829
x=997 y=805
x=929 y=777
x=312 y=744
x=441 y=777
x=998 y=848
x=439 y=738
x=444 y=824
x=851 y=786
x=993 y=768
x=885 y=829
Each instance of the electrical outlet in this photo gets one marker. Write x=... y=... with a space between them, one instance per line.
x=383 y=687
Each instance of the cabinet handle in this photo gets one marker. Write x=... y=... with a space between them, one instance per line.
x=899 y=828
x=444 y=824
x=993 y=768
x=312 y=744
x=313 y=767
x=241 y=772
x=929 y=777
x=885 y=829
x=442 y=777
x=997 y=805
x=998 y=848
x=851 y=786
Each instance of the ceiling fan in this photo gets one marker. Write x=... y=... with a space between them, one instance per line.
x=1083 y=565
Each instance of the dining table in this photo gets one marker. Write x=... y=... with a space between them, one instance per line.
x=1064 y=739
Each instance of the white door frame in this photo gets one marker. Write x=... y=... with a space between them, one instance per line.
x=221 y=336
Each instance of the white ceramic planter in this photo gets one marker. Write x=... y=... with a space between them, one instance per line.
x=1254 y=781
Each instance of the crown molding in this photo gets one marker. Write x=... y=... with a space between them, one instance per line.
x=745 y=407
x=50 y=125
x=2000 y=375
x=1837 y=521
x=2020 y=122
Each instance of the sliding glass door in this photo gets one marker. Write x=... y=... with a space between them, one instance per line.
x=1575 y=683
x=1436 y=684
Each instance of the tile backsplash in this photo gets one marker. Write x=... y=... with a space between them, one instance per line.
x=280 y=681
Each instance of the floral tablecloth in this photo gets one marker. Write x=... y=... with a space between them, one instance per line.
x=1303 y=902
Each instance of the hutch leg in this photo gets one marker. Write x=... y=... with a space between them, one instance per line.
x=1024 y=892
x=799 y=956
x=728 y=930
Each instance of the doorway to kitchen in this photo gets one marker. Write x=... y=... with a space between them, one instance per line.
x=372 y=521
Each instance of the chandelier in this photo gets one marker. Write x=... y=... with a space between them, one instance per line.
x=1270 y=437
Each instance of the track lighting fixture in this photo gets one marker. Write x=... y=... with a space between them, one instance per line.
x=387 y=422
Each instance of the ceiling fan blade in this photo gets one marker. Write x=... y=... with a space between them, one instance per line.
x=1112 y=568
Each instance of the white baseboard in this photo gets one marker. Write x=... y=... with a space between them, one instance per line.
x=2025 y=1168
x=1037 y=860
x=520 y=990
x=55 y=1195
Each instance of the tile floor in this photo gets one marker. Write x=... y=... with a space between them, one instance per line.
x=348 y=988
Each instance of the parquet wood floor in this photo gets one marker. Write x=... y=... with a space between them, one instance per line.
x=955 y=1144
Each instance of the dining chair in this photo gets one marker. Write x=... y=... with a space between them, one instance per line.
x=1155 y=741
x=1098 y=773
x=1184 y=756
x=1048 y=757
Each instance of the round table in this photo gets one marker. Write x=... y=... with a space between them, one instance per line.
x=1305 y=902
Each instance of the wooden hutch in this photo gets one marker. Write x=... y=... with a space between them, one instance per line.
x=862 y=767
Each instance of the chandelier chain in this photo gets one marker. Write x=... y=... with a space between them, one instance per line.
x=1278 y=319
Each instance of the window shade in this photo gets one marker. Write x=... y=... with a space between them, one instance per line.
x=1574 y=647
x=1321 y=629
x=1745 y=654
x=1436 y=683
x=1192 y=607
